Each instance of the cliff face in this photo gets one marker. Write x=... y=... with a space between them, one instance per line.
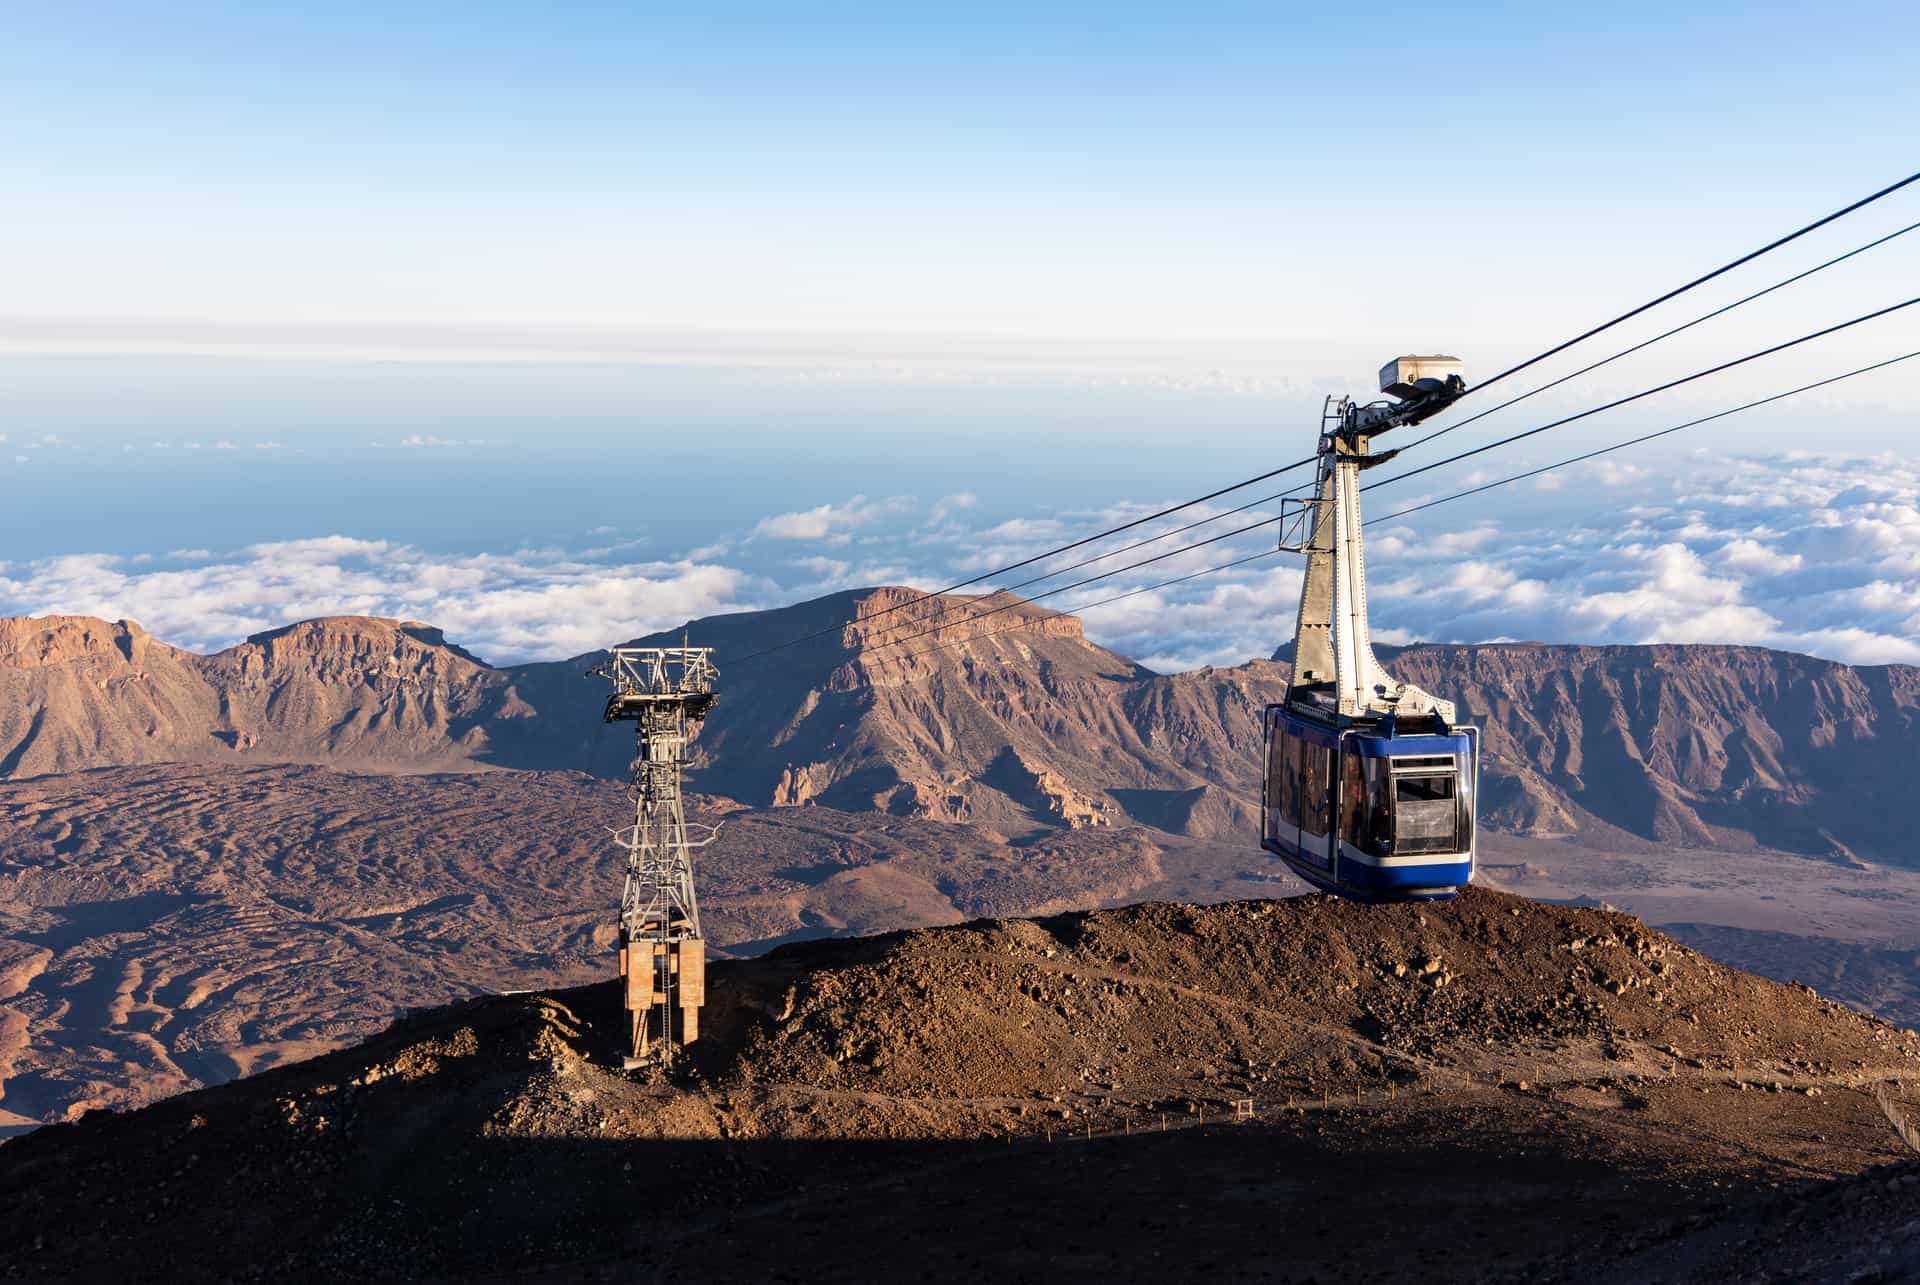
x=1011 y=720
x=78 y=692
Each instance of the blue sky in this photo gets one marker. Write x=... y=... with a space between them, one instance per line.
x=452 y=278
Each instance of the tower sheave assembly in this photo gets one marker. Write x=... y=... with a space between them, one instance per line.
x=1370 y=783
x=665 y=692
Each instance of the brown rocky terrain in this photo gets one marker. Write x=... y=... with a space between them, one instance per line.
x=1015 y=722
x=1484 y=1090
x=1693 y=745
x=1011 y=727
x=351 y=691
x=170 y=926
x=1021 y=728
x=206 y=915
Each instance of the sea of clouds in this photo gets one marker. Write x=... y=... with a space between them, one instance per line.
x=1799 y=551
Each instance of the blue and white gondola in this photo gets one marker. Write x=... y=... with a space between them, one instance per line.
x=1374 y=814
x=1370 y=789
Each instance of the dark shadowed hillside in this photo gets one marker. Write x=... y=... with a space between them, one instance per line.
x=1565 y=1091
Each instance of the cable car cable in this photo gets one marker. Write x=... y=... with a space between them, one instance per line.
x=1127 y=526
x=1429 y=504
x=1039 y=557
x=1085 y=607
x=1126 y=548
x=1410 y=473
x=1634 y=397
x=1645 y=437
x=1104 y=575
x=1697 y=281
x=1666 y=334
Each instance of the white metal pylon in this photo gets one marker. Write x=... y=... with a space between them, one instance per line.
x=1335 y=672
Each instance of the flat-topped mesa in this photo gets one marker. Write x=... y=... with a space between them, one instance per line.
x=894 y=623
x=40 y=642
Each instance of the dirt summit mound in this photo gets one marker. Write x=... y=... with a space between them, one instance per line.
x=1057 y=1097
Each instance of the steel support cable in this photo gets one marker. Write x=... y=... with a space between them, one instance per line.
x=1104 y=575
x=964 y=610
x=1038 y=557
x=1698 y=281
x=1126 y=526
x=1461 y=495
x=1624 y=352
x=1090 y=606
x=1634 y=397
x=1645 y=437
x=1479 y=450
x=1738 y=361
x=1665 y=334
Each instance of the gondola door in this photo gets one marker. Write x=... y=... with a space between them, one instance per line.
x=1316 y=803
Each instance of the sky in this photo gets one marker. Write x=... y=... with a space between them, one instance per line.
x=558 y=324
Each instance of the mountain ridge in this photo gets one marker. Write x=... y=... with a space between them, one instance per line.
x=1017 y=722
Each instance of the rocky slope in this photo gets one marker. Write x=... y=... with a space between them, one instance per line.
x=167 y=927
x=1691 y=745
x=1568 y=1094
x=1016 y=722
x=1013 y=720
x=352 y=691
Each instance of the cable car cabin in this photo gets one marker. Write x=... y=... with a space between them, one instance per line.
x=1374 y=812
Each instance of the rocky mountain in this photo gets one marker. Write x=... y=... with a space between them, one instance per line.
x=1694 y=745
x=350 y=691
x=1012 y=721
x=1016 y=721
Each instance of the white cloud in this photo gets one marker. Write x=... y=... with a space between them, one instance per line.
x=1610 y=472
x=530 y=604
x=830 y=521
x=1666 y=556
x=414 y=441
x=944 y=507
x=1750 y=555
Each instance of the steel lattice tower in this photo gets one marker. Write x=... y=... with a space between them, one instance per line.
x=665 y=692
